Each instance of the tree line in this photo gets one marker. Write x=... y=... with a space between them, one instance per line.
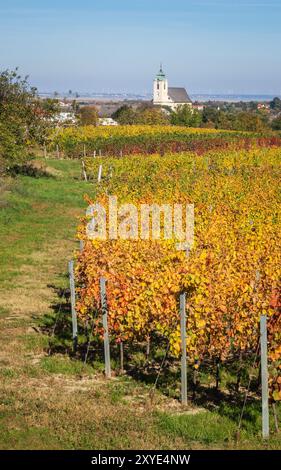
x=229 y=117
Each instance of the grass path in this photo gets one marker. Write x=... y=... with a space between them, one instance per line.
x=53 y=402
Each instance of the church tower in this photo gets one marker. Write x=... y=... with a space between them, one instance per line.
x=160 y=88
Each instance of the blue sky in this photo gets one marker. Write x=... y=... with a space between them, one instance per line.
x=211 y=46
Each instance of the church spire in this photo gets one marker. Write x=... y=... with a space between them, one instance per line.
x=161 y=75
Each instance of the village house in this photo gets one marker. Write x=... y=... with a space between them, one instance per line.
x=107 y=121
x=263 y=106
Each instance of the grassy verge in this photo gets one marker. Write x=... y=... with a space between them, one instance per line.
x=55 y=401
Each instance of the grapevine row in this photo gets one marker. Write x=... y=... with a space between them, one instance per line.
x=232 y=275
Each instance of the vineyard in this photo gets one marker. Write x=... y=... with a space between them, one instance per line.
x=61 y=399
x=140 y=233
x=125 y=140
x=231 y=275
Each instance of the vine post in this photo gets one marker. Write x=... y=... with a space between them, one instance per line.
x=264 y=376
x=183 y=349
x=99 y=173
x=84 y=170
x=73 y=310
x=121 y=357
x=105 y=327
x=45 y=151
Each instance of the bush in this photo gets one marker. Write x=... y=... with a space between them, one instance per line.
x=89 y=116
x=186 y=116
x=12 y=149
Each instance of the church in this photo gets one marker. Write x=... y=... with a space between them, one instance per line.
x=163 y=95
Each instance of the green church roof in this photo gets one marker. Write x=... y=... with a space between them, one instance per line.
x=160 y=75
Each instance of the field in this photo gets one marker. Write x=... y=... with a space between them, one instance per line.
x=125 y=140
x=53 y=399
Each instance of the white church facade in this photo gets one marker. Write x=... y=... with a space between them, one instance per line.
x=163 y=95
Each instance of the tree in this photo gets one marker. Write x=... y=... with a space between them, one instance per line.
x=251 y=122
x=276 y=124
x=152 y=116
x=89 y=116
x=75 y=106
x=146 y=114
x=125 y=115
x=275 y=104
x=210 y=116
x=186 y=116
x=50 y=107
x=22 y=122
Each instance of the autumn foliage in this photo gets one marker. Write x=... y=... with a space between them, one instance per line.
x=232 y=274
x=146 y=139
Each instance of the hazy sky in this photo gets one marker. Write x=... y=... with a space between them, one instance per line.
x=211 y=46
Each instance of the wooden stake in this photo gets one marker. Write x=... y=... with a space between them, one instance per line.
x=147 y=347
x=195 y=381
x=99 y=173
x=239 y=373
x=218 y=374
x=84 y=171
